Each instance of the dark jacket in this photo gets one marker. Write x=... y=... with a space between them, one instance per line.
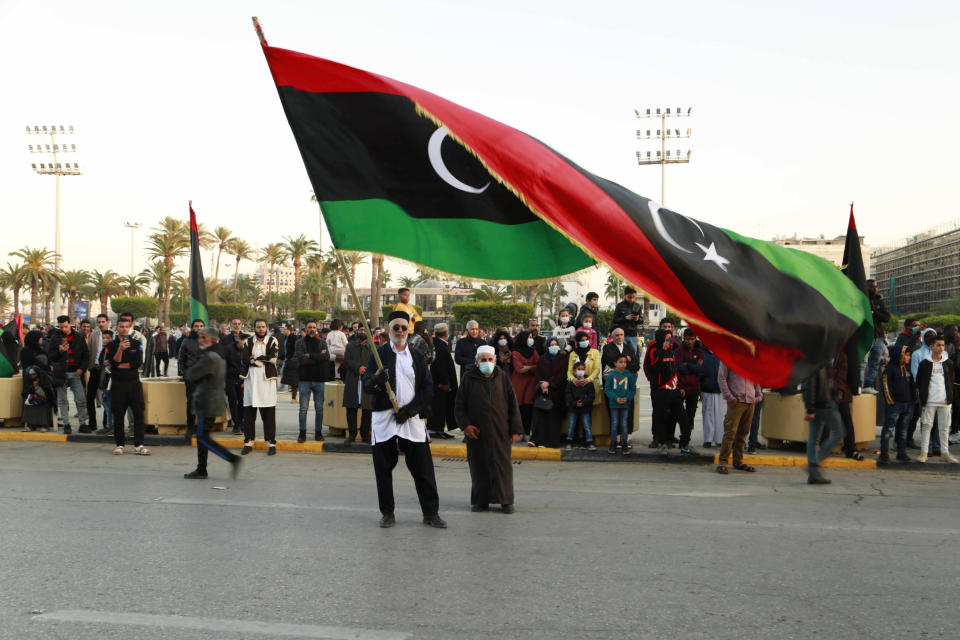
x=78 y=353
x=45 y=384
x=208 y=374
x=898 y=383
x=232 y=354
x=910 y=340
x=443 y=370
x=690 y=366
x=489 y=404
x=33 y=353
x=662 y=371
x=925 y=373
x=268 y=361
x=819 y=391
x=610 y=353
x=709 y=375
x=880 y=316
x=620 y=313
x=313 y=358
x=357 y=355
x=188 y=353
x=465 y=352
x=839 y=372
x=423 y=381
x=133 y=356
x=584 y=394
x=553 y=369
x=597 y=325
x=291 y=366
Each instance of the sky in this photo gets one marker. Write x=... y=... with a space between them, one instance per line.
x=797 y=108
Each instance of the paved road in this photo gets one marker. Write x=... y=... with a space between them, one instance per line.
x=122 y=547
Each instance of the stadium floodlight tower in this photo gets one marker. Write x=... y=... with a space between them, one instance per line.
x=663 y=155
x=55 y=168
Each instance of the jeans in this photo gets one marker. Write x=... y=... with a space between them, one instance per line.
x=895 y=420
x=107 y=409
x=873 y=362
x=316 y=389
x=829 y=418
x=755 y=425
x=585 y=421
x=618 y=423
x=74 y=384
x=633 y=341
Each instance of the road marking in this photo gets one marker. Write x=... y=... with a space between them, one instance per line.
x=281 y=629
x=817 y=526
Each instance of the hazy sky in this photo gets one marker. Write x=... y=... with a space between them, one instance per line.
x=798 y=108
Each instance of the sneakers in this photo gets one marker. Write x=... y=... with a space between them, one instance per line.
x=613 y=449
x=922 y=458
x=272 y=450
x=85 y=428
x=302 y=437
x=903 y=457
x=707 y=445
x=569 y=446
x=870 y=390
x=67 y=430
x=247 y=448
x=949 y=458
x=318 y=437
x=118 y=451
x=196 y=474
x=752 y=450
x=687 y=451
x=142 y=451
x=26 y=428
x=954 y=439
x=591 y=447
x=884 y=458
x=662 y=451
x=104 y=432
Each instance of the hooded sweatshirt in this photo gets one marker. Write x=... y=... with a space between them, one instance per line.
x=920 y=354
x=935 y=381
x=898 y=385
x=663 y=370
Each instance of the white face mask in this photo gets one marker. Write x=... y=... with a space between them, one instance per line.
x=580 y=373
x=502 y=342
x=530 y=342
x=587 y=325
x=564 y=319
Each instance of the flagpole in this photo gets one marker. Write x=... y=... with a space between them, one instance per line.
x=343 y=268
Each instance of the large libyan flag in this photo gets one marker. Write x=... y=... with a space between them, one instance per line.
x=400 y=171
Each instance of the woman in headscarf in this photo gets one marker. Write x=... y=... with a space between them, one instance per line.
x=502 y=343
x=551 y=378
x=39 y=400
x=32 y=352
x=582 y=352
x=524 y=360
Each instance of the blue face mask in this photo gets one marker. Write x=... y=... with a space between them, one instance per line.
x=584 y=344
x=553 y=349
x=486 y=368
x=916 y=330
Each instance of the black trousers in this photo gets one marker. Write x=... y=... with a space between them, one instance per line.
x=163 y=357
x=443 y=416
x=690 y=400
x=365 y=417
x=93 y=385
x=205 y=444
x=547 y=426
x=191 y=419
x=268 y=416
x=234 y=389
x=526 y=418
x=127 y=394
x=846 y=418
x=667 y=412
x=420 y=464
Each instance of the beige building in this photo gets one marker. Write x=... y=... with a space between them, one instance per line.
x=277 y=279
x=827 y=248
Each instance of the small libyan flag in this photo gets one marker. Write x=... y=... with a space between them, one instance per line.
x=11 y=340
x=198 y=288
x=400 y=171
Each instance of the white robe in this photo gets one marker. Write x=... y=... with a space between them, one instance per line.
x=257 y=390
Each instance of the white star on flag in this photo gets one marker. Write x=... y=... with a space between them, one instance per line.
x=712 y=255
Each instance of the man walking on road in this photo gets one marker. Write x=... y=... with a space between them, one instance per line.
x=207 y=374
x=820 y=401
x=187 y=356
x=394 y=431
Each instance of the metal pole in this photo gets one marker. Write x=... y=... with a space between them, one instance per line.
x=132 y=228
x=663 y=159
x=56 y=260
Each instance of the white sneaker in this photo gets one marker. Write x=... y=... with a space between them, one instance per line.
x=869 y=390
x=142 y=451
x=955 y=438
x=118 y=451
x=922 y=458
x=948 y=458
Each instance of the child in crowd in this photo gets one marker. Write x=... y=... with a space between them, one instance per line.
x=898 y=392
x=104 y=382
x=580 y=403
x=620 y=389
x=586 y=326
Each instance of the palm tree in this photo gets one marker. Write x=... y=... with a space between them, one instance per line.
x=37 y=263
x=103 y=286
x=490 y=293
x=72 y=282
x=426 y=273
x=134 y=286
x=4 y=300
x=240 y=250
x=552 y=292
x=159 y=273
x=614 y=286
x=13 y=277
x=223 y=239
x=313 y=284
x=376 y=287
x=408 y=282
x=272 y=255
x=296 y=249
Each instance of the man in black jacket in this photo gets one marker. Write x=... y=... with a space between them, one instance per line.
x=444 y=385
x=69 y=359
x=880 y=318
x=314 y=359
x=626 y=315
x=188 y=353
x=465 y=353
x=231 y=346
x=207 y=373
x=125 y=354
x=406 y=373
x=820 y=401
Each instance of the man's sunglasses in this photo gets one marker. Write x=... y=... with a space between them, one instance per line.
x=399 y=327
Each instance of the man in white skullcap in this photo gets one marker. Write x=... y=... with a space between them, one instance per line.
x=402 y=430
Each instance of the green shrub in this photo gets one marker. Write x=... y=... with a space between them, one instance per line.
x=941 y=321
x=179 y=318
x=227 y=312
x=140 y=306
x=306 y=315
x=492 y=315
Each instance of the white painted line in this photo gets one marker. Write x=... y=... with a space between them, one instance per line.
x=817 y=526
x=279 y=629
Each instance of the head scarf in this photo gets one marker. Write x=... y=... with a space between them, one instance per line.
x=581 y=352
x=547 y=354
x=520 y=344
x=496 y=337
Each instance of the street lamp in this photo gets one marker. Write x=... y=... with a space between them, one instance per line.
x=133 y=226
x=55 y=168
x=663 y=156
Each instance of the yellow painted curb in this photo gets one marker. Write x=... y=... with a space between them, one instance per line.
x=801 y=461
x=31 y=436
x=282 y=445
x=517 y=453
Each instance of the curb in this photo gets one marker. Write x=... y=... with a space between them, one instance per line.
x=31 y=436
x=768 y=460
